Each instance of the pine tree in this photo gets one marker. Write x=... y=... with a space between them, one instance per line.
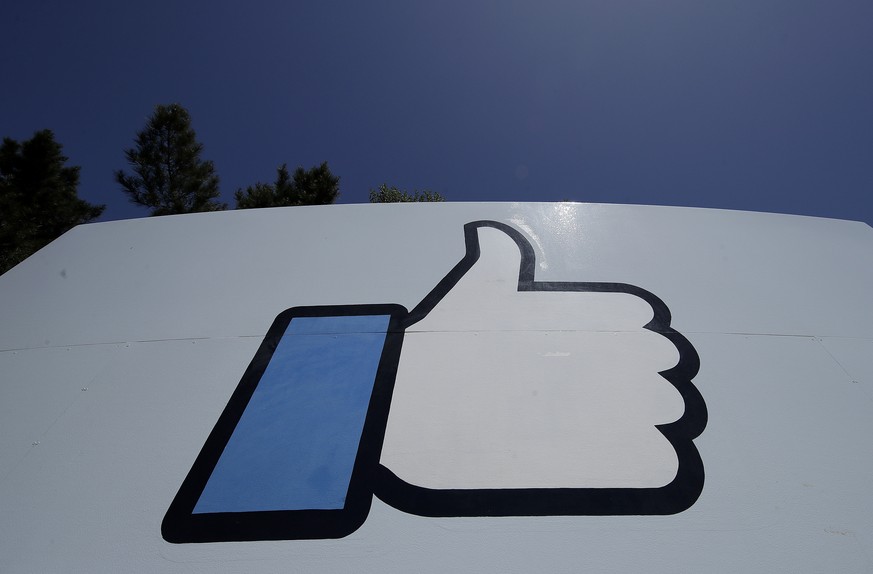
x=392 y=194
x=314 y=186
x=168 y=175
x=38 y=197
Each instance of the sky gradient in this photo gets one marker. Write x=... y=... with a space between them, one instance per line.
x=756 y=105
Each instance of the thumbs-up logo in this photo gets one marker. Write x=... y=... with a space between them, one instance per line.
x=497 y=395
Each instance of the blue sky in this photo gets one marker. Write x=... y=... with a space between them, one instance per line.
x=759 y=105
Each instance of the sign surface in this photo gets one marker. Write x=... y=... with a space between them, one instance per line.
x=440 y=387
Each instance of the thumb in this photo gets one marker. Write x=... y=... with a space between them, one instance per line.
x=497 y=262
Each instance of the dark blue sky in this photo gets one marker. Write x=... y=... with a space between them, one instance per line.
x=758 y=104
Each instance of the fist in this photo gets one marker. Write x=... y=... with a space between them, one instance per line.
x=510 y=391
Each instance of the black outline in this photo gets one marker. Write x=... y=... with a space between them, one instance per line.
x=182 y=525
x=370 y=477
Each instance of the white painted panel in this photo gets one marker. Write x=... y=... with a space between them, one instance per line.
x=159 y=319
x=38 y=387
x=225 y=274
x=854 y=356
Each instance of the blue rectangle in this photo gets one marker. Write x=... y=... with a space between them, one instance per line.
x=295 y=445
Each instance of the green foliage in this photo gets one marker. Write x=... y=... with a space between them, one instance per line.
x=38 y=197
x=314 y=186
x=391 y=194
x=168 y=175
